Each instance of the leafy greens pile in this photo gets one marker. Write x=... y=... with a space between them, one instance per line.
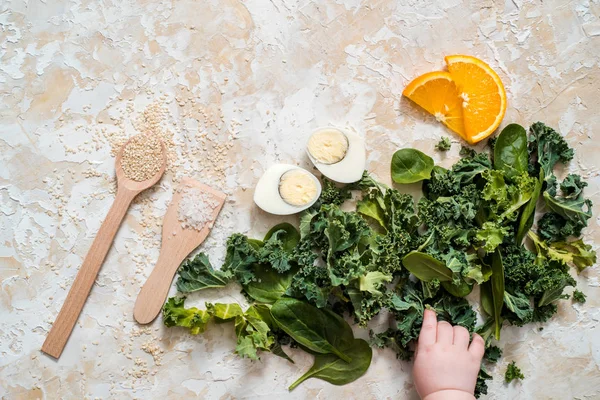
x=471 y=227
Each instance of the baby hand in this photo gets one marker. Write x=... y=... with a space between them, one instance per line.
x=446 y=366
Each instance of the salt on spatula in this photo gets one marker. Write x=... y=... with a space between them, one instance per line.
x=139 y=164
x=188 y=220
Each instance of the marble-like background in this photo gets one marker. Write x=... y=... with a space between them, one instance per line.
x=238 y=85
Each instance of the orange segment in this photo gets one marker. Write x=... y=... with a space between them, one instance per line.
x=483 y=95
x=437 y=93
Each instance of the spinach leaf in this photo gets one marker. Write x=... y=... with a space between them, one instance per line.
x=528 y=214
x=313 y=328
x=411 y=165
x=270 y=285
x=334 y=370
x=492 y=293
x=289 y=237
x=458 y=290
x=371 y=208
x=510 y=151
x=198 y=273
x=426 y=268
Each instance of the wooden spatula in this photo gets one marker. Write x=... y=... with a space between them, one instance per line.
x=177 y=243
x=127 y=189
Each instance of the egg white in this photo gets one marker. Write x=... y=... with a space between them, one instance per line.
x=350 y=168
x=266 y=193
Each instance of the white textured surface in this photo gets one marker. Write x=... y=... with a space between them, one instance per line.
x=77 y=75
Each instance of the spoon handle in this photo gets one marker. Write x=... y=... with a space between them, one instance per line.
x=153 y=294
x=64 y=323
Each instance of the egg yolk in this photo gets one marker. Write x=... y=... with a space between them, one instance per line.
x=297 y=187
x=328 y=146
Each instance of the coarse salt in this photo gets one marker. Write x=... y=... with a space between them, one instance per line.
x=196 y=208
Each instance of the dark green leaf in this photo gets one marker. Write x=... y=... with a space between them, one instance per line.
x=371 y=208
x=269 y=285
x=461 y=289
x=411 y=165
x=577 y=211
x=313 y=328
x=198 y=273
x=426 y=268
x=492 y=293
x=520 y=305
x=510 y=151
x=528 y=214
x=289 y=237
x=336 y=371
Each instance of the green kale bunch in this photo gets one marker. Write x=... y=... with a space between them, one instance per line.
x=472 y=226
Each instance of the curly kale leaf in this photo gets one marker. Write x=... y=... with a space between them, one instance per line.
x=254 y=328
x=492 y=354
x=554 y=228
x=569 y=212
x=467 y=170
x=311 y=281
x=536 y=278
x=408 y=306
x=576 y=211
x=576 y=252
x=579 y=297
x=197 y=274
x=572 y=186
x=481 y=387
x=240 y=257
x=278 y=246
x=546 y=148
x=444 y=144
x=504 y=199
x=332 y=194
x=175 y=314
x=513 y=372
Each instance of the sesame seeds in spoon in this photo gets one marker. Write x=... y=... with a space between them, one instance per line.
x=140 y=163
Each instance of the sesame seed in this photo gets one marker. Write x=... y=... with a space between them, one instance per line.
x=142 y=157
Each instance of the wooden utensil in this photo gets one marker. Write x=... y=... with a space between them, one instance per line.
x=127 y=189
x=177 y=243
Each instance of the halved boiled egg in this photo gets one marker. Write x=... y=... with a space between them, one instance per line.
x=339 y=155
x=286 y=189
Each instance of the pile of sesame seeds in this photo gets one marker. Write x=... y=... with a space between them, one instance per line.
x=142 y=157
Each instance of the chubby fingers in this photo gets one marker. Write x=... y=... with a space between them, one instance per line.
x=428 y=333
x=445 y=333
x=461 y=337
x=477 y=347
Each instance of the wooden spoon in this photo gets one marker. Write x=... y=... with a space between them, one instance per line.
x=127 y=189
x=177 y=243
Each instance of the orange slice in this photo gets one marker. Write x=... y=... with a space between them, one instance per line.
x=482 y=93
x=437 y=93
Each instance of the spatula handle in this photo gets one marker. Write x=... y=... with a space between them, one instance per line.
x=154 y=292
x=62 y=327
